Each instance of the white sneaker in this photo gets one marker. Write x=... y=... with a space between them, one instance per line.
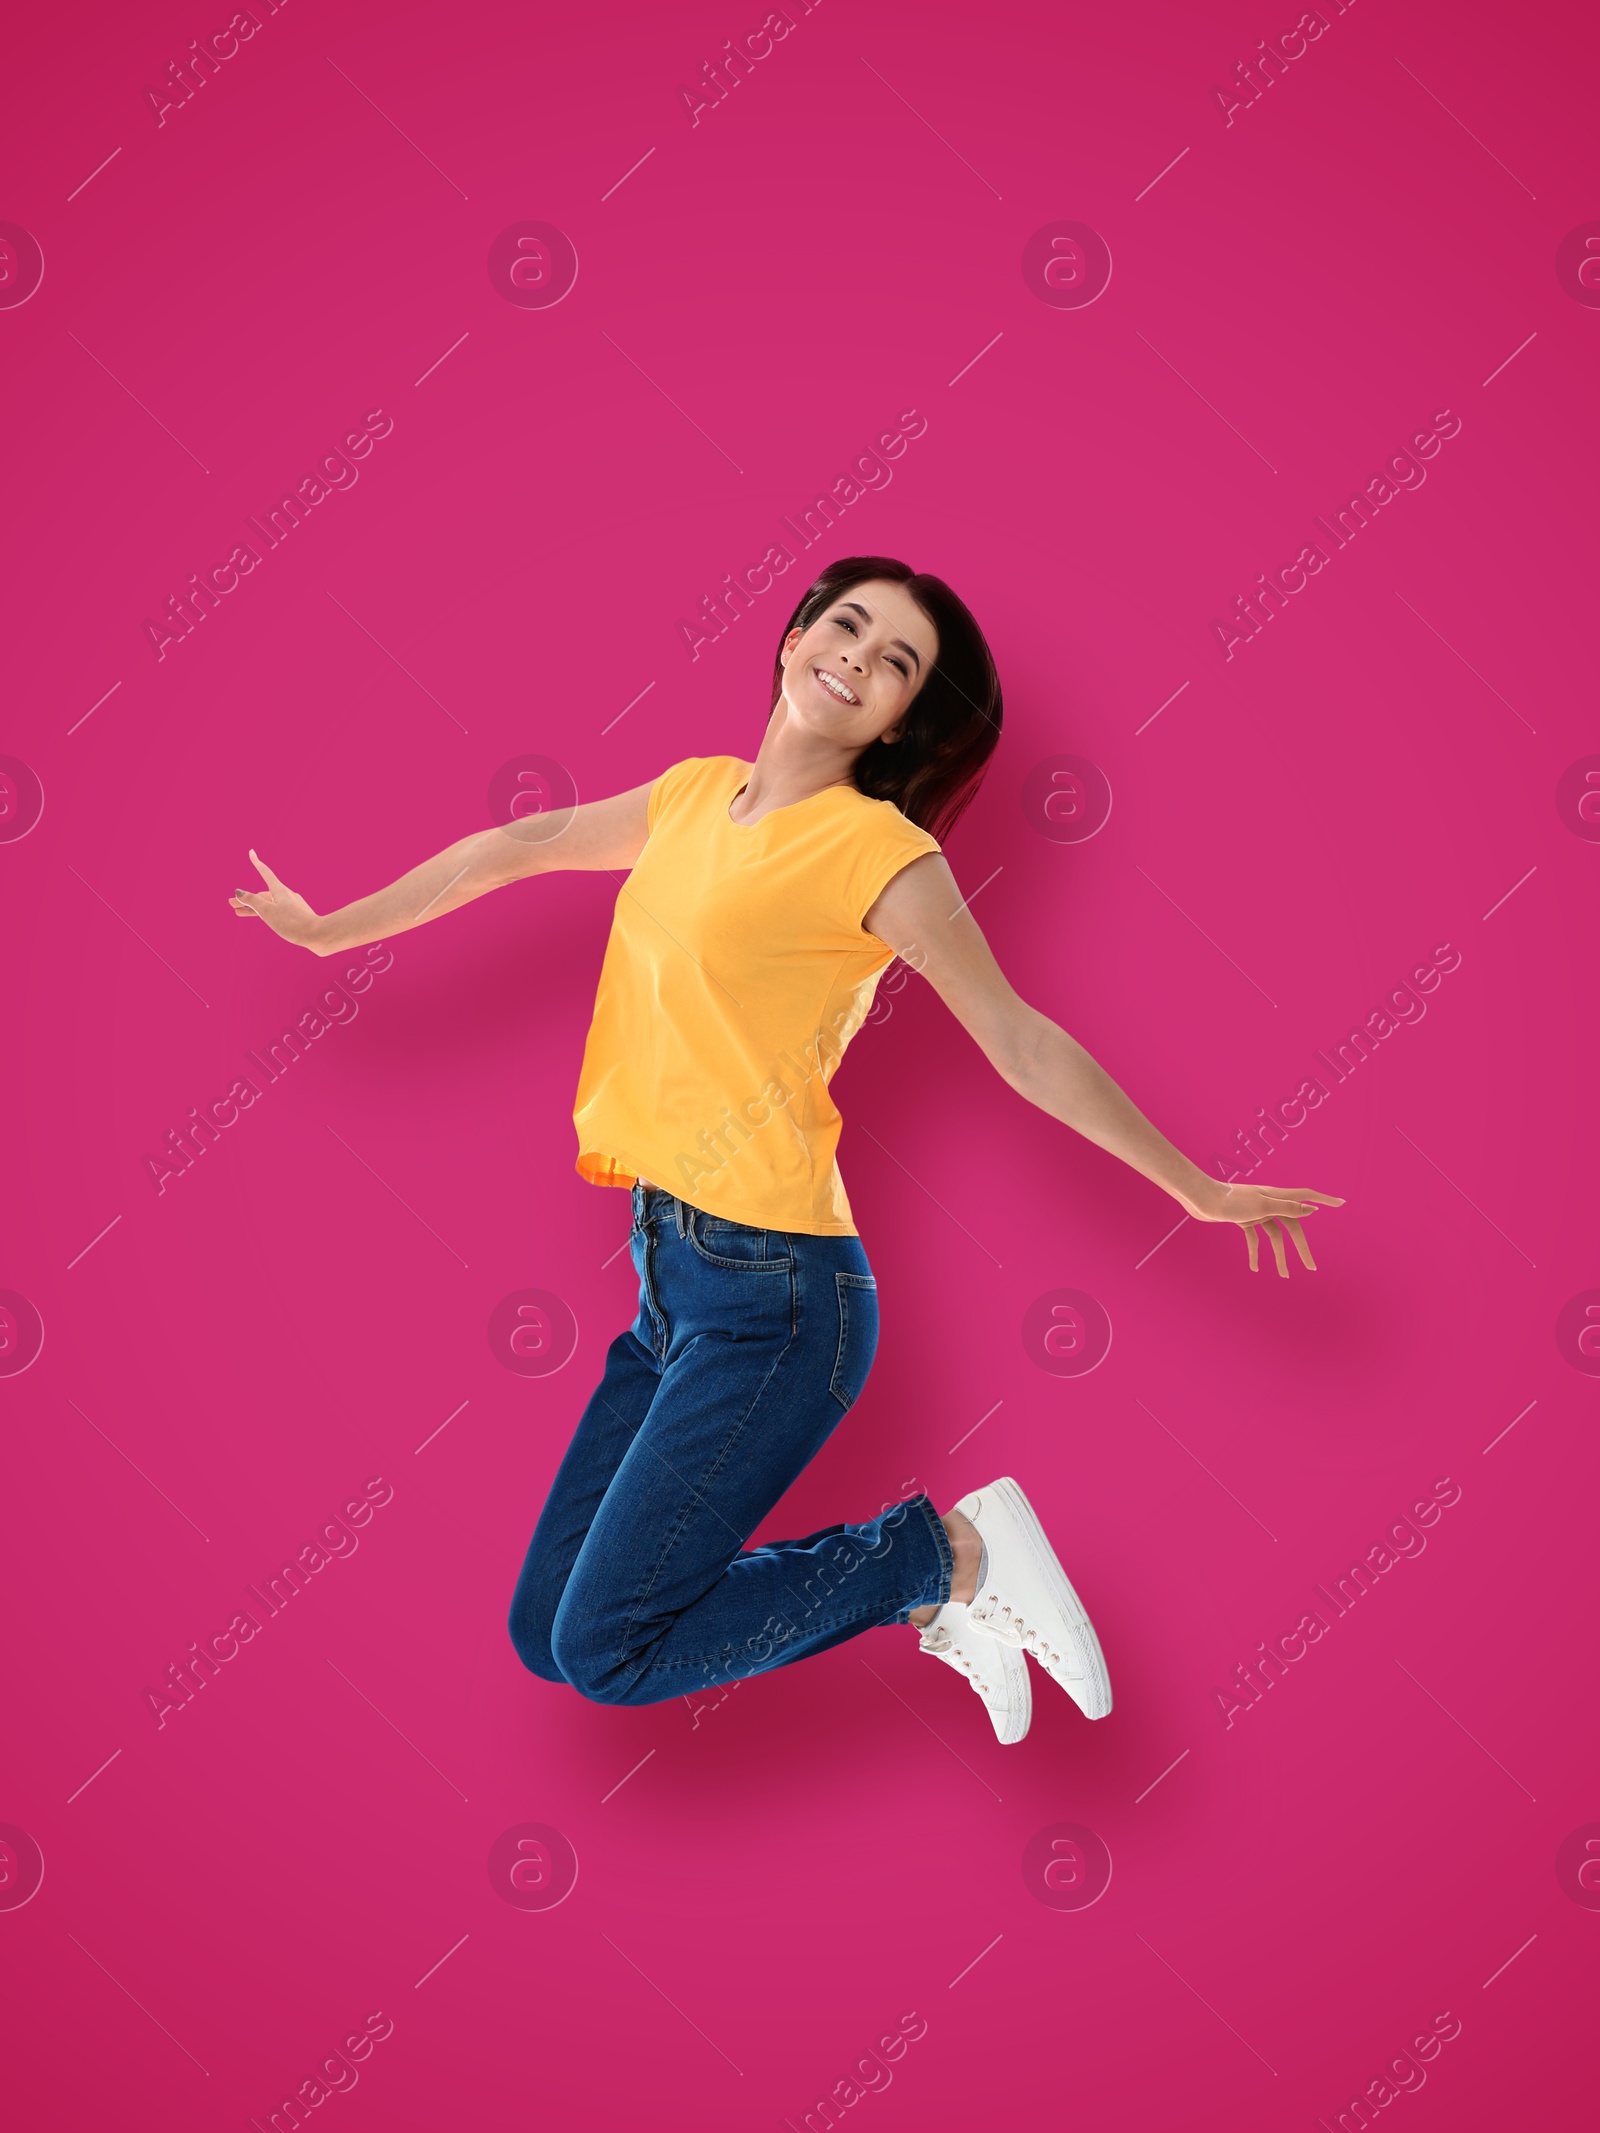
x=999 y=1674
x=1024 y=1598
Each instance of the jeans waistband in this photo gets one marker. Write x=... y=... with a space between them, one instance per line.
x=650 y=1200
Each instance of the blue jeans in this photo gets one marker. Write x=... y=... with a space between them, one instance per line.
x=749 y=1349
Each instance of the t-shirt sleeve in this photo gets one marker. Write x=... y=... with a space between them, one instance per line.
x=899 y=842
x=667 y=787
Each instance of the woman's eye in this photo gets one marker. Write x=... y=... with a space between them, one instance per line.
x=899 y=665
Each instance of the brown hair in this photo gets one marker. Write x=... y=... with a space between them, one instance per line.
x=952 y=726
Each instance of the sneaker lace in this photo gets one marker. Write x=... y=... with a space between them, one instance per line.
x=938 y=1640
x=999 y=1619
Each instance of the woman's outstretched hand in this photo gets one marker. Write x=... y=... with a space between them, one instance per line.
x=1255 y=1209
x=286 y=913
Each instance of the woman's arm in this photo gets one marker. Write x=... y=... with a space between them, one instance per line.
x=601 y=836
x=922 y=916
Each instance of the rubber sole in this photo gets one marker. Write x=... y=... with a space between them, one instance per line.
x=1019 y=1698
x=1097 y=1691
x=1021 y=1704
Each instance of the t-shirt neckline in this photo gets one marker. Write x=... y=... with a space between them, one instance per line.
x=788 y=806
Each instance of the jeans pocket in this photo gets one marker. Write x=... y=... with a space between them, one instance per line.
x=858 y=1335
x=736 y=1244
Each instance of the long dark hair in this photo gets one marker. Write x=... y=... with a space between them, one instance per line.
x=932 y=773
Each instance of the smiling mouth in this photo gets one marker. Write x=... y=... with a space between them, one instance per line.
x=839 y=690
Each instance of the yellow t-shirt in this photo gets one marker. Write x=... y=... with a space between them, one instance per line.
x=736 y=973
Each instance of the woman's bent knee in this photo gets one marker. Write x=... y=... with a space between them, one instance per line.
x=596 y=1663
x=593 y=1677
x=532 y=1647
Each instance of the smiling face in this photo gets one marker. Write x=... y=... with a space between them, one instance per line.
x=853 y=673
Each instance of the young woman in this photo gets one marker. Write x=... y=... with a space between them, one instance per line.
x=760 y=903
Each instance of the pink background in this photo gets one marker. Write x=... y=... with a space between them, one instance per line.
x=768 y=1884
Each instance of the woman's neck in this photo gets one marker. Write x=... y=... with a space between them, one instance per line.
x=790 y=767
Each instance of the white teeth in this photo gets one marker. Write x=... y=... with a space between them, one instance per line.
x=836 y=687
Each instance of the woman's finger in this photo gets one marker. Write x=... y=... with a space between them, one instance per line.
x=1328 y=1199
x=1275 y=1239
x=1300 y=1245
x=264 y=871
x=1250 y=1240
